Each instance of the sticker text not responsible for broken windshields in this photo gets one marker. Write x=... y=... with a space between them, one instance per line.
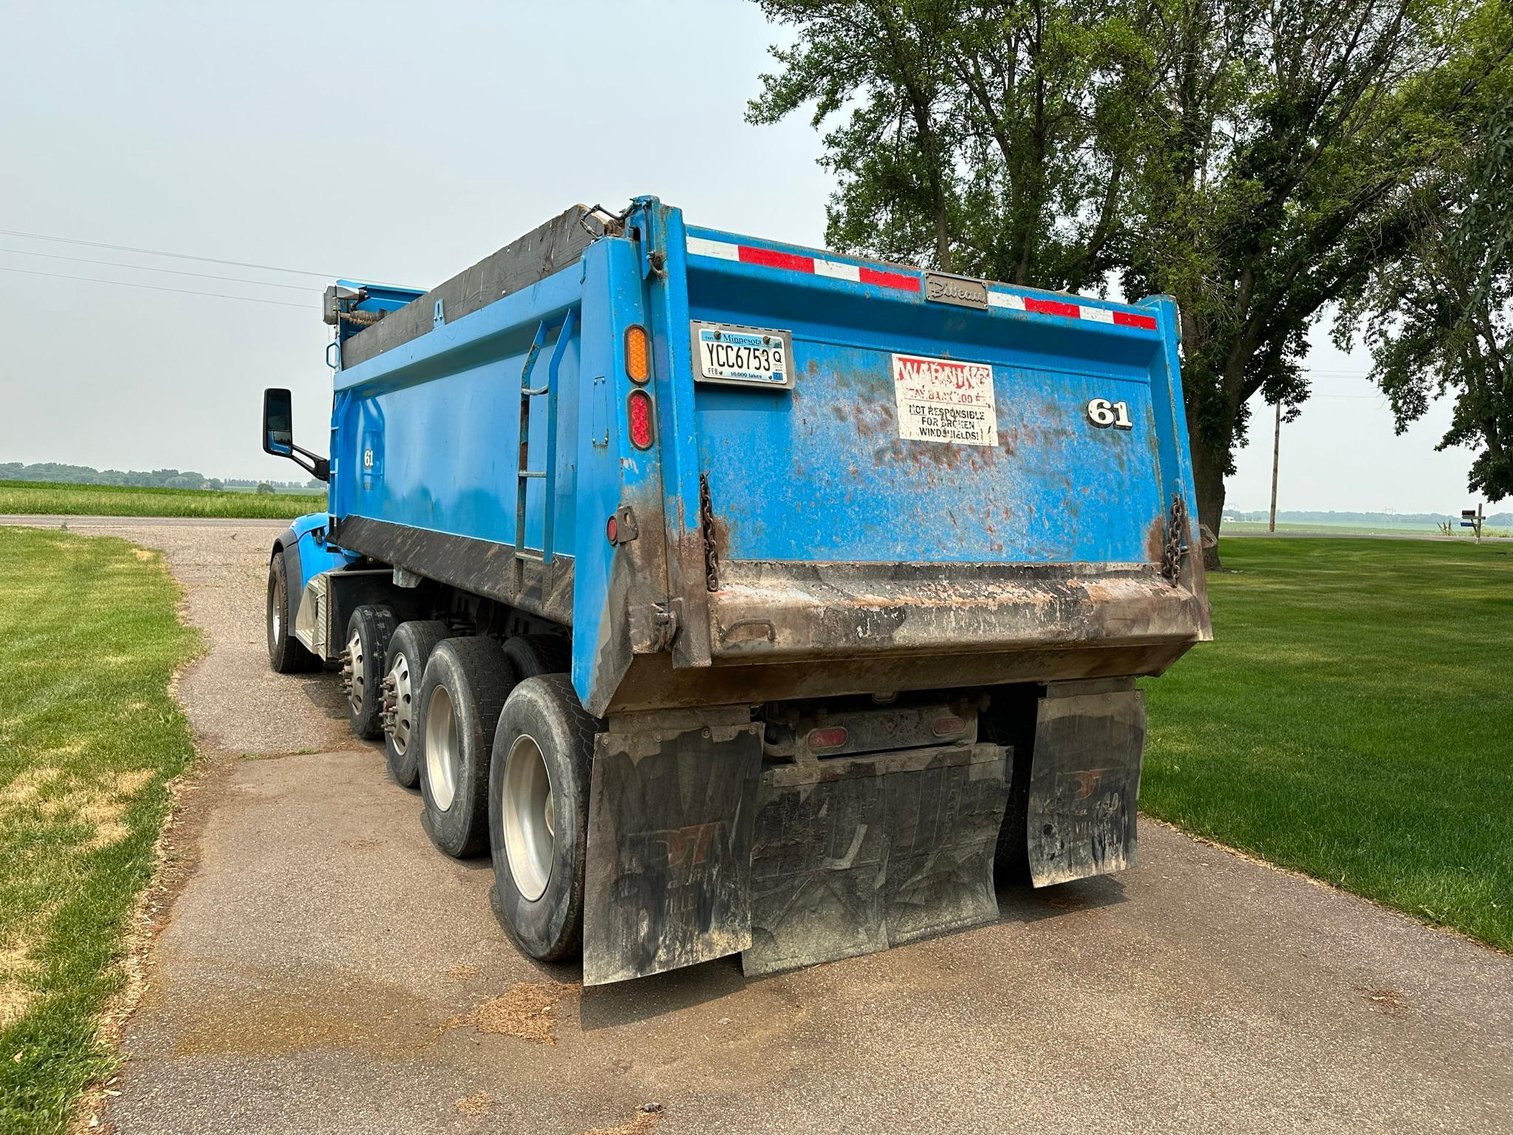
x=945 y=400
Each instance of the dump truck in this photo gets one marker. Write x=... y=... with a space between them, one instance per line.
x=743 y=598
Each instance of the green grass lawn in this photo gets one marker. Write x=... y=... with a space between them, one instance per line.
x=1353 y=719
x=88 y=742
x=1259 y=528
x=34 y=498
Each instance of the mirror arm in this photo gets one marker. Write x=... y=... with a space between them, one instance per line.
x=317 y=466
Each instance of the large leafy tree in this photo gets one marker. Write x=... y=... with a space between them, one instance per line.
x=985 y=138
x=1439 y=320
x=1253 y=158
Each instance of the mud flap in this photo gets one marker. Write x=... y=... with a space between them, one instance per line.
x=1084 y=784
x=667 y=877
x=855 y=855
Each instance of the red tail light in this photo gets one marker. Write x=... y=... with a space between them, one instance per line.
x=831 y=737
x=639 y=407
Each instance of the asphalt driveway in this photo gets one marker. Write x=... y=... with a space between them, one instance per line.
x=323 y=969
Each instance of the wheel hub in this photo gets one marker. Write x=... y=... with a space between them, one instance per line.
x=399 y=704
x=443 y=754
x=530 y=833
x=352 y=677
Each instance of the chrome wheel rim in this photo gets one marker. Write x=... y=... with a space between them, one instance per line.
x=404 y=708
x=443 y=749
x=358 y=685
x=530 y=837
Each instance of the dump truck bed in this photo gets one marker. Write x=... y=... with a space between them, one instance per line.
x=930 y=468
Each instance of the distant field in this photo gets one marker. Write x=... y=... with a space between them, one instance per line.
x=31 y=498
x=1250 y=527
x=1353 y=720
x=1259 y=527
x=89 y=740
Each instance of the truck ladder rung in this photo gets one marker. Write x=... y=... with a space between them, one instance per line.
x=523 y=472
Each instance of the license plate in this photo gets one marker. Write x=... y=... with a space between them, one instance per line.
x=742 y=356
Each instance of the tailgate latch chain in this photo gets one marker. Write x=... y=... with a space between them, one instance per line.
x=706 y=526
x=1171 y=556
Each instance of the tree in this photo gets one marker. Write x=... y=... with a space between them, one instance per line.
x=1439 y=320
x=968 y=127
x=264 y=489
x=1251 y=159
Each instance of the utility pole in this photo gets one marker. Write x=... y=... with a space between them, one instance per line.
x=1276 y=453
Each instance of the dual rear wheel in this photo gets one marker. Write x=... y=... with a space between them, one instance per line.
x=494 y=736
x=496 y=739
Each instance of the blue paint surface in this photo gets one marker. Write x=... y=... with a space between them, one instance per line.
x=315 y=555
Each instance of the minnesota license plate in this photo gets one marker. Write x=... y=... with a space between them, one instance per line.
x=742 y=356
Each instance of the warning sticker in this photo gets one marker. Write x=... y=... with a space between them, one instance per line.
x=945 y=400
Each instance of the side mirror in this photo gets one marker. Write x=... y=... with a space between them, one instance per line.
x=278 y=434
x=278 y=423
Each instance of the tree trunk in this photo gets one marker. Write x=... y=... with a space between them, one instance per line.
x=1208 y=479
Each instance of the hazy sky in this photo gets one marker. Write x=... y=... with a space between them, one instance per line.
x=404 y=142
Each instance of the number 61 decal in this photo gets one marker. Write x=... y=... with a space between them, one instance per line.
x=1103 y=413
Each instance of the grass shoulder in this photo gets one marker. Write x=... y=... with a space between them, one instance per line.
x=1353 y=720
x=89 y=743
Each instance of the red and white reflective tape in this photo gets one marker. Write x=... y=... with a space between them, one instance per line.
x=907 y=282
x=1016 y=302
x=796 y=262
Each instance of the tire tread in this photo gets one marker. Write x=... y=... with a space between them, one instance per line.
x=289 y=656
x=490 y=678
x=376 y=623
x=551 y=696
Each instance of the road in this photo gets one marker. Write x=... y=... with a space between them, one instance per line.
x=322 y=969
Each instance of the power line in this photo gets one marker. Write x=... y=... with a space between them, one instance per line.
x=176 y=255
x=155 y=288
x=172 y=271
x=201 y=259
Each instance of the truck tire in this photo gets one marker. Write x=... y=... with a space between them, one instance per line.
x=404 y=668
x=286 y=654
x=538 y=815
x=368 y=633
x=466 y=683
x=533 y=655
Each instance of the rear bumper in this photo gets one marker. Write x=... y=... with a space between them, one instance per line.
x=784 y=611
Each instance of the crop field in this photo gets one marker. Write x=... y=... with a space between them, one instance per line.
x=89 y=740
x=32 y=498
x=1353 y=720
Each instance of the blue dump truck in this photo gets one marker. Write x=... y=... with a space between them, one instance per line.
x=737 y=597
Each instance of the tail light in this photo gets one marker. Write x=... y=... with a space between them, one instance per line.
x=830 y=737
x=638 y=407
x=637 y=354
